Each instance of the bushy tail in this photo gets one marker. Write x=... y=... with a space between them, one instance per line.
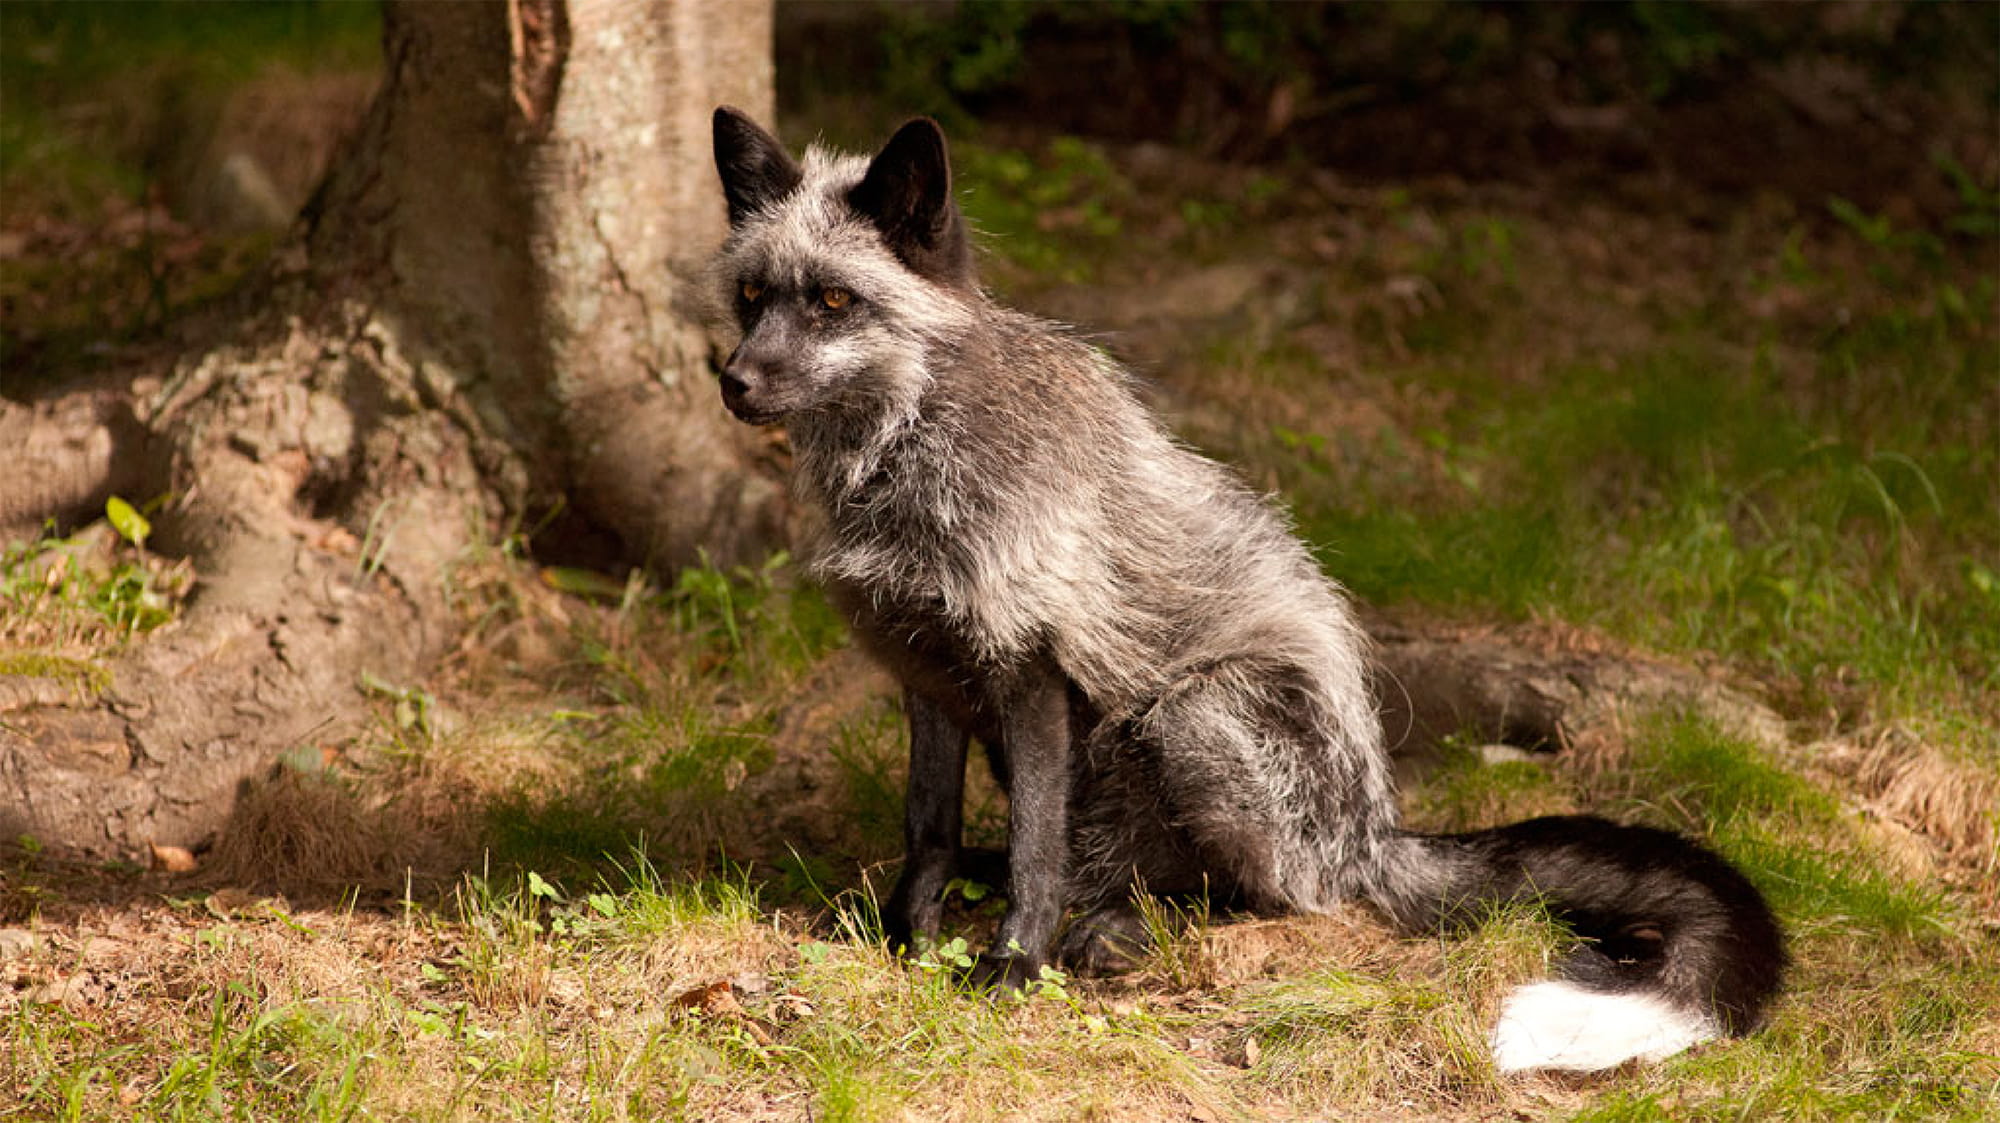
x=1680 y=947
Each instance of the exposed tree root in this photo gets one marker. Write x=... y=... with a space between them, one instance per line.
x=321 y=509
x=1539 y=691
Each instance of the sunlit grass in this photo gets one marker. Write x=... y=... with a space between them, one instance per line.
x=577 y=977
x=1687 y=501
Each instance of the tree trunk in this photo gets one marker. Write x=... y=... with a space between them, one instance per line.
x=483 y=324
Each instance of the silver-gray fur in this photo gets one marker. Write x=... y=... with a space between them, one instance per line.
x=1046 y=569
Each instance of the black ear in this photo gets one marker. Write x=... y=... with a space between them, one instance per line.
x=907 y=195
x=756 y=170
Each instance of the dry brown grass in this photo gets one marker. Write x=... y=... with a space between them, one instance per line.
x=321 y=835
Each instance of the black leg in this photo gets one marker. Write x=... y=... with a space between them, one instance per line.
x=1034 y=728
x=933 y=815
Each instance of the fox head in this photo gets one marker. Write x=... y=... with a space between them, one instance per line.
x=843 y=272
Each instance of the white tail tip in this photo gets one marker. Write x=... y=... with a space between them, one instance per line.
x=1557 y=1025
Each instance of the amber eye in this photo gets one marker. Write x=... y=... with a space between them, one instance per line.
x=835 y=299
x=752 y=290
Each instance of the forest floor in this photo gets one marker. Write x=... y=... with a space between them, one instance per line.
x=620 y=858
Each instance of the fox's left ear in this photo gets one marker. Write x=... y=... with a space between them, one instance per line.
x=907 y=195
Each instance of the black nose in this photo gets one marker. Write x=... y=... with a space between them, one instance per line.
x=742 y=382
x=741 y=375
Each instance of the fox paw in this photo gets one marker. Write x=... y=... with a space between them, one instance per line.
x=1004 y=974
x=1110 y=941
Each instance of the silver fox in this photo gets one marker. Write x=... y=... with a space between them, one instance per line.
x=1172 y=694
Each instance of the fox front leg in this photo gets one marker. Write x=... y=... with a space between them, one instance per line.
x=933 y=818
x=1035 y=735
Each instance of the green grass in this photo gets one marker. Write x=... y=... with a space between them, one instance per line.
x=666 y=713
x=1690 y=498
x=64 y=602
x=69 y=72
x=1813 y=494
x=1339 y=1036
x=1051 y=214
x=598 y=994
x=1793 y=838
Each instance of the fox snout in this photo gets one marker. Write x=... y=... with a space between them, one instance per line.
x=747 y=382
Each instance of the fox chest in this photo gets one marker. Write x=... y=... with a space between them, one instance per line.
x=950 y=584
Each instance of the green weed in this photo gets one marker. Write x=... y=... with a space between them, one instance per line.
x=1176 y=939
x=646 y=905
x=1051 y=213
x=680 y=694
x=92 y=592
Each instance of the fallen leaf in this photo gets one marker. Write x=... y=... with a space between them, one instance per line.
x=71 y=993
x=760 y=1030
x=791 y=1004
x=716 y=998
x=337 y=540
x=230 y=903
x=172 y=859
x=582 y=582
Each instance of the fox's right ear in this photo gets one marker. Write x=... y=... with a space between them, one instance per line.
x=907 y=194
x=756 y=170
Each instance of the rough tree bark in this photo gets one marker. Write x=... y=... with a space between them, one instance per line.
x=482 y=323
